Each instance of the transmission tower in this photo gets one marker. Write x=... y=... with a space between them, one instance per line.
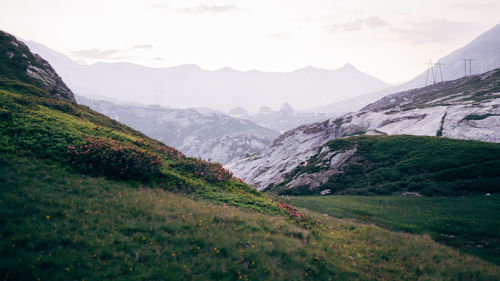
x=157 y=98
x=438 y=68
x=434 y=69
x=429 y=70
x=465 y=67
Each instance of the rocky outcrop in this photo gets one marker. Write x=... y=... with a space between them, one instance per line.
x=467 y=108
x=329 y=163
x=49 y=80
x=18 y=63
x=287 y=151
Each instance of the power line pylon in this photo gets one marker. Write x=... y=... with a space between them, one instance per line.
x=465 y=67
x=438 y=68
x=429 y=70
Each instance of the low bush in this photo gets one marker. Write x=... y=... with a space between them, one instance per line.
x=109 y=157
x=210 y=172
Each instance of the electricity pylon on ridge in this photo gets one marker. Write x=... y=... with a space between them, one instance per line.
x=434 y=69
x=438 y=68
x=465 y=67
x=429 y=70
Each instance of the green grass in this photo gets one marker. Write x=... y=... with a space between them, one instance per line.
x=471 y=224
x=61 y=225
x=384 y=165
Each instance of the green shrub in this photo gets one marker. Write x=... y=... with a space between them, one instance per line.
x=111 y=158
x=210 y=172
x=340 y=144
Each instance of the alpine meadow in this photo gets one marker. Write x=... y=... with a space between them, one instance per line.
x=236 y=140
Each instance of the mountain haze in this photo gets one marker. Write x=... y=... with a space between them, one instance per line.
x=190 y=86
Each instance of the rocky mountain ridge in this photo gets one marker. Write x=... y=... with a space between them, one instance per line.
x=18 y=63
x=467 y=108
x=281 y=120
x=200 y=133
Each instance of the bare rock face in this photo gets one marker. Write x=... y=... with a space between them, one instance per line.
x=287 y=152
x=467 y=108
x=49 y=79
x=330 y=163
x=18 y=63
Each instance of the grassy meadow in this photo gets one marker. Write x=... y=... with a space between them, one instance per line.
x=471 y=224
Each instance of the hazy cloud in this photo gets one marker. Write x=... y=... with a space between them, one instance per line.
x=212 y=9
x=375 y=22
x=436 y=31
x=96 y=54
x=279 y=36
x=475 y=5
x=159 y=59
x=145 y=46
x=415 y=32
x=158 y=6
x=358 y=24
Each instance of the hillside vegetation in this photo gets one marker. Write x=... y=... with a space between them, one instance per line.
x=91 y=143
x=385 y=165
x=59 y=225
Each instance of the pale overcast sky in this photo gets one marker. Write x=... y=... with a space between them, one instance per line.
x=390 y=39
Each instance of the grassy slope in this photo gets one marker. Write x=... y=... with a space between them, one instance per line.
x=471 y=224
x=392 y=164
x=58 y=224
x=43 y=128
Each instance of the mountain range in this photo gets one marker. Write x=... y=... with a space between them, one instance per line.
x=187 y=86
x=197 y=132
x=281 y=120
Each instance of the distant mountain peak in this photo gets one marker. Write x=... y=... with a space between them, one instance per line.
x=286 y=109
x=345 y=67
x=349 y=66
x=226 y=69
x=188 y=66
